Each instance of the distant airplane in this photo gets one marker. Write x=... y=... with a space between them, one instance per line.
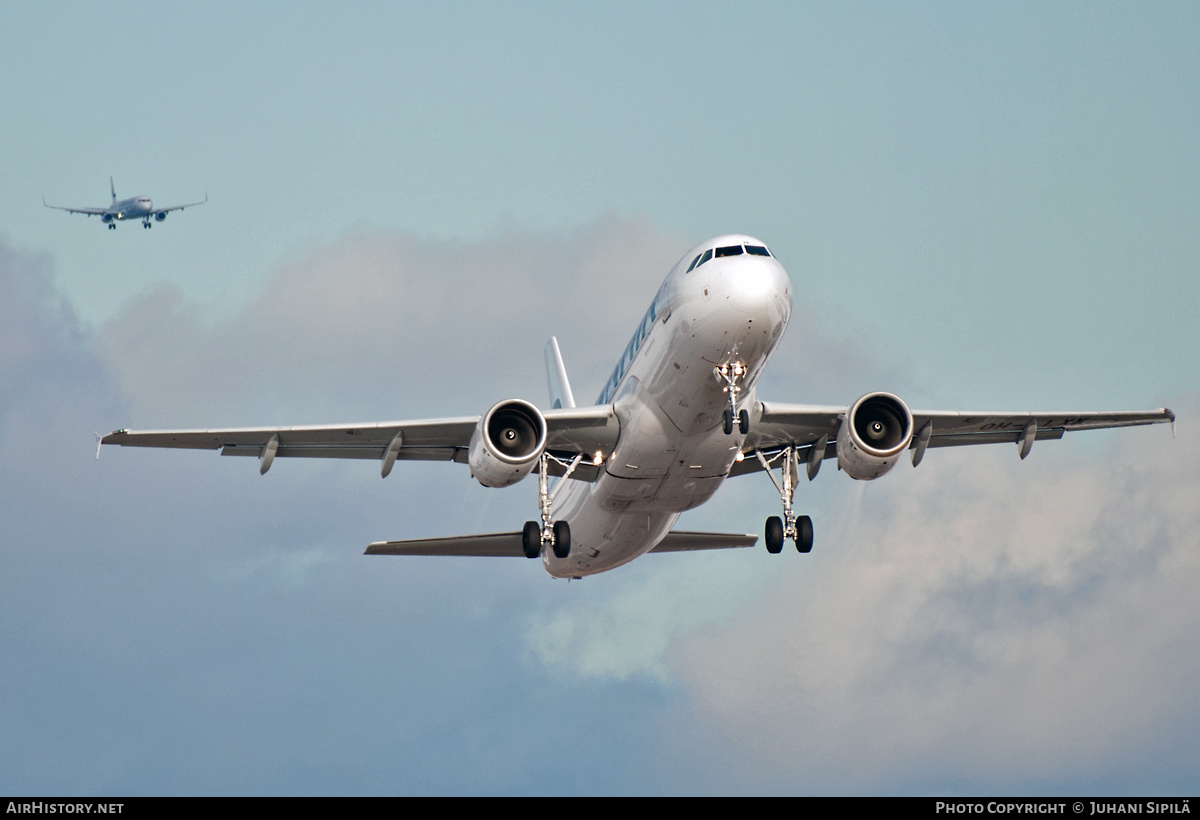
x=677 y=417
x=137 y=207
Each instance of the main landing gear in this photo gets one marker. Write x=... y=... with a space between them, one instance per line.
x=797 y=528
x=732 y=374
x=146 y=223
x=554 y=534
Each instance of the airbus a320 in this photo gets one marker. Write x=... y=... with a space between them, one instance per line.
x=679 y=415
x=125 y=210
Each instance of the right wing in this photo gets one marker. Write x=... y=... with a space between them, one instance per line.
x=508 y=544
x=569 y=432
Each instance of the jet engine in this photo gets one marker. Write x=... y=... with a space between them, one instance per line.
x=507 y=443
x=106 y=218
x=877 y=429
x=160 y=216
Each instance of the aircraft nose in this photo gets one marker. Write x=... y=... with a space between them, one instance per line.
x=758 y=287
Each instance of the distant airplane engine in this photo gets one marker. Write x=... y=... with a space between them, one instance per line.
x=507 y=443
x=107 y=217
x=160 y=216
x=878 y=428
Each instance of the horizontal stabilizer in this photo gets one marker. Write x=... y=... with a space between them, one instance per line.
x=508 y=544
x=490 y=545
x=684 y=541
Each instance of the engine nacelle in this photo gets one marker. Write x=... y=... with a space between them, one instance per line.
x=507 y=443
x=878 y=428
x=106 y=218
x=160 y=216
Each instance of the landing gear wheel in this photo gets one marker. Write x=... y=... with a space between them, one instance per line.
x=774 y=535
x=804 y=534
x=727 y=421
x=531 y=539
x=562 y=539
x=744 y=422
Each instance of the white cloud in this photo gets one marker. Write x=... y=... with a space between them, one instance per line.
x=624 y=626
x=391 y=323
x=978 y=620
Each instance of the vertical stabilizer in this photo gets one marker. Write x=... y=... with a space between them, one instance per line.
x=556 y=375
x=112 y=187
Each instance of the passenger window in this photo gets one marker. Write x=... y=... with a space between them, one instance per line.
x=730 y=250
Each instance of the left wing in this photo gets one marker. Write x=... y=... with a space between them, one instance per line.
x=780 y=425
x=568 y=433
x=180 y=207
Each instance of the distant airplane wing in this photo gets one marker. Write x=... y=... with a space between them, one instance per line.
x=568 y=432
x=508 y=544
x=88 y=211
x=802 y=425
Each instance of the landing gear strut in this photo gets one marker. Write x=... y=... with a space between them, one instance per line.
x=554 y=534
x=797 y=528
x=732 y=374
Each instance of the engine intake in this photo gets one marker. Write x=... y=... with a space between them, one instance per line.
x=507 y=443
x=160 y=216
x=877 y=429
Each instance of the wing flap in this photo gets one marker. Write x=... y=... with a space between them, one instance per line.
x=451 y=432
x=951 y=422
x=366 y=452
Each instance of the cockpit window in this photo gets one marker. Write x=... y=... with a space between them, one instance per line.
x=730 y=250
x=707 y=255
x=694 y=261
x=757 y=250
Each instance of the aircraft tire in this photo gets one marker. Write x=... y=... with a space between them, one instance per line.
x=744 y=422
x=727 y=421
x=531 y=539
x=562 y=539
x=804 y=534
x=774 y=535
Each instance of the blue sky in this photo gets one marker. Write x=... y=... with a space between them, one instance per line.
x=979 y=207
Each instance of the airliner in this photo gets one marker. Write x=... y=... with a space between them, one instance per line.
x=136 y=207
x=679 y=415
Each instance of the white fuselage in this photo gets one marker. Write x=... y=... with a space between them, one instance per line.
x=672 y=453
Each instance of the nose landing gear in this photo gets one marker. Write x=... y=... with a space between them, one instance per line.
x=732 y=374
